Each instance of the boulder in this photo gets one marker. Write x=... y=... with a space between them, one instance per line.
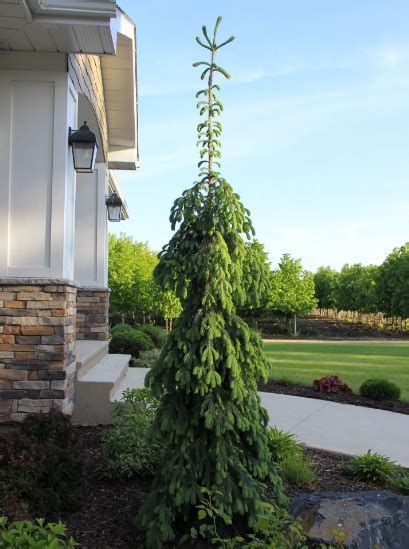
x=367 y=519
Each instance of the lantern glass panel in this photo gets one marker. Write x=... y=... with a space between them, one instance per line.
x=114 y=213
x=84 y=157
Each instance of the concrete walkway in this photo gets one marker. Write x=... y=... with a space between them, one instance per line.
x=340 y=427
x=326 y=425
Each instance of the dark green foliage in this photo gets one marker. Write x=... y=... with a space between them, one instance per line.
x=38 y=534
x=400 y=483
x=39 y=473
x=128 y=448
x=357 y=288
x=157 y=334
x=393 y=283
x=257 y=281
x=53 y=426
x=210 y=420
x=379 y=389
x=371 y=467
x=275 y=528
x=282 y=445
x=326 y=282
x=146 y=359
x=129 y=341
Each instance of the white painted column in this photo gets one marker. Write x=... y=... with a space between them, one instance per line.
x=91 y=246
x=37 y=179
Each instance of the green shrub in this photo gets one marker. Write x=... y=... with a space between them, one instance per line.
x=282 y=445
x=400 y=483
x=156 y=333
x=129 y=341
x=40 y=470
x=371 y=467
x=25 y=534
x=379 y=389
x=298 y=470
x=146 y=359
x=128 y=447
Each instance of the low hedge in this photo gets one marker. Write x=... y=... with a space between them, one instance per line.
x=129 y=341
x=379 y=389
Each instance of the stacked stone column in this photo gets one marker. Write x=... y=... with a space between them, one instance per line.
x=37 y=346
x=92 y=313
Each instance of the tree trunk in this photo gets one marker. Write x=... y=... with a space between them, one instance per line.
x=295 y=325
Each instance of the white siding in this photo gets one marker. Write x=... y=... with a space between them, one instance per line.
x=91 y=267
x=37 y=182
x=31 y=167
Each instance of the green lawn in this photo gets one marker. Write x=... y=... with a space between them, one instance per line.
x=302 y=362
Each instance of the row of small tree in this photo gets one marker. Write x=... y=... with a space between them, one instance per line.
x=135 y=296
x=367 y=290
x=287 y=291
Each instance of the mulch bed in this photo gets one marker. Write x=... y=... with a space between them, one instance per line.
x=281 y=388
x=106 y=517
x=325 y=328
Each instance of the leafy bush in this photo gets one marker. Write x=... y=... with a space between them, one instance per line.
x=298 y=470
x=400 y=483
x=379 y=389
x=26 y=534
x=53 y=426
x=40 y=471
x=146 y=359
x=331 y=384
x=282 y=445
x=128 y=447
x=372 y=467
x=129 y=341
x=156 y=333
x=275 y=528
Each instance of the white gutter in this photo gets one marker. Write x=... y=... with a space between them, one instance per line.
x=77 y=8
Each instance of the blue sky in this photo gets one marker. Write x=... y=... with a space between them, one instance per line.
x=316 y=122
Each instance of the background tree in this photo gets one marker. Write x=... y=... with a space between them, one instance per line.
x=293 y=290
x=326 y=282
x=393 y=283
x=171 y=308
x=357 y=288
x=135 y=296
x=209 y=420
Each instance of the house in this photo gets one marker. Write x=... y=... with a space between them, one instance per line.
x=62 y=63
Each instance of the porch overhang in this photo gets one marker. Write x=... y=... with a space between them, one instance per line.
x=66 y=26
x=119 y=78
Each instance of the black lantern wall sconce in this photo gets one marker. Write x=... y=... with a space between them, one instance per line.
x=114 y=206
x=84 y=148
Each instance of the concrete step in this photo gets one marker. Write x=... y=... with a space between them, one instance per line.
x=134 y=379
x=89 y=353
x=95 y=390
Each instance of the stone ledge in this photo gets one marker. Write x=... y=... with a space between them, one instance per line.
x=93 y=289
x=38 y=282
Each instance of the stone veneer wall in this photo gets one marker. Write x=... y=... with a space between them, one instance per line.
x=37 y=346
x=92 y=313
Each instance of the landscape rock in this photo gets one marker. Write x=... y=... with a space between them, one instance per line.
x=367 y=519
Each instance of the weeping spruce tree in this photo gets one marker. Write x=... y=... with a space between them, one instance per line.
x=210 y=419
